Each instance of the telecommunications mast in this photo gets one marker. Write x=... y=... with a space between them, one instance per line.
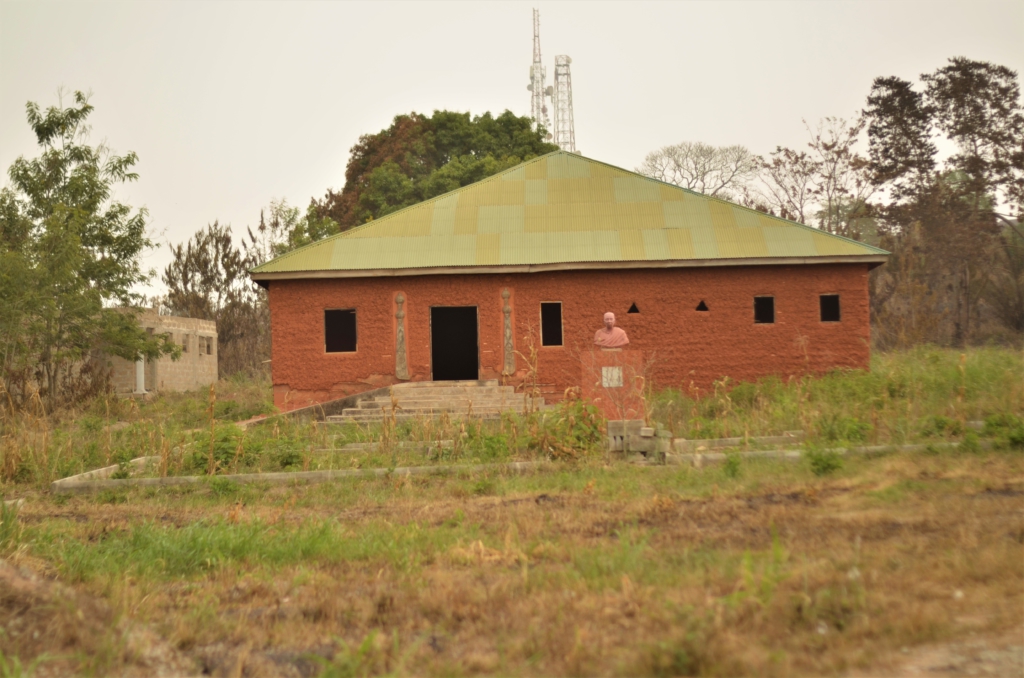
x=565 y=134
x=538 y=109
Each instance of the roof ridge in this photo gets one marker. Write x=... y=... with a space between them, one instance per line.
x=373 y=222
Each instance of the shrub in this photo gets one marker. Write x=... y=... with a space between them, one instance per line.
x=732 y=465
x=836 y=427
x=1000 y=424
x=943 y=426
x=1015 y=438
x=970 y=443
x=824 y=462
x=228 y=448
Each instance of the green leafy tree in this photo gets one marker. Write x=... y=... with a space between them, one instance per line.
x=69 y=258
x=419 y=157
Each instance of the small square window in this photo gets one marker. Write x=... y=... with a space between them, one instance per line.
x=184 y=343
x=764 y=310
x=340 y=331
x=829 y=308
x=551 y=323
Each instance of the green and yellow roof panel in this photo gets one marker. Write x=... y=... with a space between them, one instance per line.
x=564 y=211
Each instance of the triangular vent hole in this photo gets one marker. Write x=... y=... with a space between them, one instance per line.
x=702 y=306
x=633 y=309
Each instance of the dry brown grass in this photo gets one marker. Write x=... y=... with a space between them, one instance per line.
x=598 y=570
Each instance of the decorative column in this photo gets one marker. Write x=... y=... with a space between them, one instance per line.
x=140 y=375
x=510 y=350
x=401 y=364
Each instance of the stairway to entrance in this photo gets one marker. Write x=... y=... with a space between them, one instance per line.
x=484 y=399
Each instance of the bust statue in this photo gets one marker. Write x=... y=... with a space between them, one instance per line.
x=610 y=336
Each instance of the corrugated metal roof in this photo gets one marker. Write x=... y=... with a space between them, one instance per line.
x=562 y=208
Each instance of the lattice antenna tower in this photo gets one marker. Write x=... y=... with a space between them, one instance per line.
x=564 y=131
x=538 y=74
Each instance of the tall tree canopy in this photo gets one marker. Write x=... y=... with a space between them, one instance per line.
x=69 y=258
x=419 y=157
x=951 y=228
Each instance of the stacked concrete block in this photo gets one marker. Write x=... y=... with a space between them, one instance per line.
x=629 y=437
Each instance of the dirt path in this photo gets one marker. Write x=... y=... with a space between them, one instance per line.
x=995 y=656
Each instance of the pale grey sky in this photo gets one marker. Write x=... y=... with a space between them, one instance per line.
x=231 y=104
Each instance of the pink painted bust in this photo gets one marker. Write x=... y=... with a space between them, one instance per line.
x=610 y=336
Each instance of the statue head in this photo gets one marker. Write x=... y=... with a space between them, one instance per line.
x=609 y=320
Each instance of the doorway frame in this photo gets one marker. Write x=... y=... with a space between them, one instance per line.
x=431 y=334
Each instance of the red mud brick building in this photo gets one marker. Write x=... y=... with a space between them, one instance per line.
x=519 y=269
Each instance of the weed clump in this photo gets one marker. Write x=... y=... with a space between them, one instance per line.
x=1008 y=428
x=942 y=426
x=731 y=467
x=836 y=428
x=572 y=432
x=10 y=528
x=824 y=462
x=221 y=450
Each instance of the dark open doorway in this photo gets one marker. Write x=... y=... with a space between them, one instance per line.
x=454 y=353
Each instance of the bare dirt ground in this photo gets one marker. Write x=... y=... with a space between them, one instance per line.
x=997 y=655
x=909 y=566
x=63 y=630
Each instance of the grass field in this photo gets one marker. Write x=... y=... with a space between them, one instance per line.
x=594 y=566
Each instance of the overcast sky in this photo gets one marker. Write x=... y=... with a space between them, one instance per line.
x=231 y=104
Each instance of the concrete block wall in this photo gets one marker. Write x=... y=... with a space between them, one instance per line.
x=197 y=367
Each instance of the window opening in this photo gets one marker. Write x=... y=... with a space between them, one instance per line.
x=340 y=330
x=829 y=308
x=184 y=343
x=702 y=306
x=209 y=346
x=764 y=310
x=551 y=323
x=633 y=309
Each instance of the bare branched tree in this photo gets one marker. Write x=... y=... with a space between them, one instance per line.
x=789 y=183
x=843 y=185
x=828 y=186
x=720 y=171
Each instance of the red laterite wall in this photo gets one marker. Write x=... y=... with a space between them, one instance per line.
x=682 y=347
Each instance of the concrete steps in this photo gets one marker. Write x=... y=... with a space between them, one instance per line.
x=485 y=399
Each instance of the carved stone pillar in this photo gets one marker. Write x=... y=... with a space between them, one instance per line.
x=510 y=350
x=401 y=363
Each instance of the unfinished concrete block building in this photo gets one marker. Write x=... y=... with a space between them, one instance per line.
x=197 y=367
